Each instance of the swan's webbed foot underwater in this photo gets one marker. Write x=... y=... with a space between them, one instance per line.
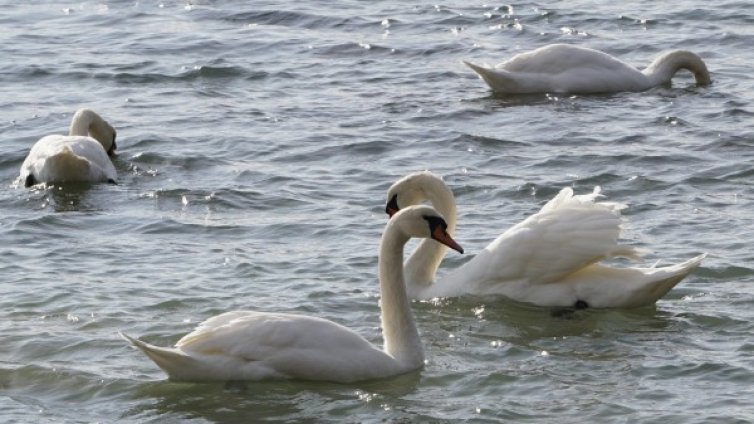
x=580 y=304
x=567 y=313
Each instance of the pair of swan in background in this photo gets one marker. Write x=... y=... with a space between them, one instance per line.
x=552 y=258
x=562 y=68
x=246 y=345
x=81 y=156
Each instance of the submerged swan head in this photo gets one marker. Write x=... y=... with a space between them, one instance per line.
x=422 y=221
x=86 y=122
x=412 y=190
x=662 y=69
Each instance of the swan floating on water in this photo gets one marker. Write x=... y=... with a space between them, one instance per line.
x=552 y=258
x=247 y=345
x=81 y=156
x=562 y=68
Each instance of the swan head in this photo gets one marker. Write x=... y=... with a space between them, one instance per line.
x=424 y=221
x=106 y=135
x=409 y=190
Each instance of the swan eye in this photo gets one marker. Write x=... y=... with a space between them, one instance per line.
x=434 y=222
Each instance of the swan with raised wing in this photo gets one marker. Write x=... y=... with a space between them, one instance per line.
x=552 y=258
x=246 y=345
x=81 y=156
x=563 y=68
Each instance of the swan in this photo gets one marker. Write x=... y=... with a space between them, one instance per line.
x=552 y=258
x=81 y=156
x=247 y=345
x=562 y=68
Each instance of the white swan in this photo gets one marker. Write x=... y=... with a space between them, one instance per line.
x=246 y=345
x=81 y=156
x=550 y=259
x=562 y=68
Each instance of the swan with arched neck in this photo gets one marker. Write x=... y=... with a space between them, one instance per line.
x=81 y=156
x=563 y=68
x=553 y=258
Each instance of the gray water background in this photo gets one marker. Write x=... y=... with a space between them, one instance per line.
x=256 y=142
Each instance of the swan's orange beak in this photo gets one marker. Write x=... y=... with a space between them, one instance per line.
x=392 y=206
x=443 y=237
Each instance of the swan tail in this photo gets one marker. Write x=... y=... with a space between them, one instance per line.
x=172 y=361
x=608 y=287
x=627 y=252
x=498 y=80
x=66 y=166
x=685 y=267
x=671 y=275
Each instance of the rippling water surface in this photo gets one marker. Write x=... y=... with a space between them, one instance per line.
x=256 y=142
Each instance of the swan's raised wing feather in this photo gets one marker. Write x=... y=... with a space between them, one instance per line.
x=567 y=234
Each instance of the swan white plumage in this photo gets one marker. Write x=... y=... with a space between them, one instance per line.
x=562 y=68
x=81 y=156
x=246 y=345
x=550 y=259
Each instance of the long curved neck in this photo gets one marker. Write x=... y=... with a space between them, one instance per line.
x=399 y=330
x=422 y=265
x=82 y=121
x=662 y=69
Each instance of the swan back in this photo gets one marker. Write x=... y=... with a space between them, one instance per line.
x=86 y=122
x=61 y=158
x=559 y=58
x=662 y=69
x=562 y=68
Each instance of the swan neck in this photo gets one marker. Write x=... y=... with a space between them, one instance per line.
x=662 y=69
x=399 y=330
x=88 y=124
x=82 y=121
x=421 y=267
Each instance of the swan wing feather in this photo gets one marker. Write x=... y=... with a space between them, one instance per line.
x=288 y=345
x=567 y=234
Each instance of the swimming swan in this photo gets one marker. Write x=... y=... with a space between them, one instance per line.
x=562 y=68
x=81 y=156
x=247 y=345
x=550 y=259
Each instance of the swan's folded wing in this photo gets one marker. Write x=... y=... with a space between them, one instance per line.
x=259 y=335
x=287 y=345
x=569 y=233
